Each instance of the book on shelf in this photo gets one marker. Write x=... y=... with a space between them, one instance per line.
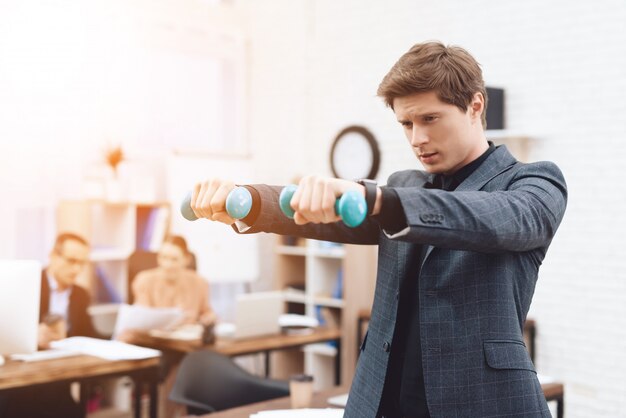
x=145 y=224
x=337 y=292
x=151 y=228
x=105 y=291
x=160 y=229
x=326 y=317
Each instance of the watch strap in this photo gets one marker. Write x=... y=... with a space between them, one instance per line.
x=371 y=190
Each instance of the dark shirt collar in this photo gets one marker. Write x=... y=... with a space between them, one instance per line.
x=441 y=181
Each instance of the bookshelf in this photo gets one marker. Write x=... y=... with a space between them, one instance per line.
x=114 y=230
x=330 y=282
x=518 y=143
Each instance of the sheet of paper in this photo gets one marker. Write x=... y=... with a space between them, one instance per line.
x=300 y=413
x=545 y=379
x=187 y=332
x=146 y=319
x=43 y=355
x=340 y=400
x=106 y=349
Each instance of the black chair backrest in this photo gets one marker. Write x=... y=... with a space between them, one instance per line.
x=141 y=260
x=208 y=382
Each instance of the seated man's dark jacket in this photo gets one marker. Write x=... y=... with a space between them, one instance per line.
x=79 y=321
x=53 y=400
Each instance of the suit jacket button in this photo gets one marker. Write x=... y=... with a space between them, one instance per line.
x=386 y=346
x=424 y=218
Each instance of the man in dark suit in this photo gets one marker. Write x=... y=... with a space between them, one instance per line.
x=63 y=312
x=460 y=245
x=63 y=304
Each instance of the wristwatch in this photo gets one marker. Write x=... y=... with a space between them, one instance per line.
x=371 y=190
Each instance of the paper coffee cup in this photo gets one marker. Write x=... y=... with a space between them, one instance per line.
x=301 y=391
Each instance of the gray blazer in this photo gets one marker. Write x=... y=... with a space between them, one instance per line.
x=486 y=241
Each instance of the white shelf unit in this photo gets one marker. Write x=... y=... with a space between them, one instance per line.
x=309 y=276
x=517 y=143
x=114 y=230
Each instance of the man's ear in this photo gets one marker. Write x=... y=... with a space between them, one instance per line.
x=477 y=106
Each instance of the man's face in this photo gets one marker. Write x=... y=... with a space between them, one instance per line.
x=443 y=137
x=66 y=264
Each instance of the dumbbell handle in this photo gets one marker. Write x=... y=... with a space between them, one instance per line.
x=238 y=204
x=350 y=207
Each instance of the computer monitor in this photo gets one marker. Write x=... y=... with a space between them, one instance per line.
x=20 y=286
x=257 y=314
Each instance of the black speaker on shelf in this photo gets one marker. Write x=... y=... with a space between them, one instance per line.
x=495 y=108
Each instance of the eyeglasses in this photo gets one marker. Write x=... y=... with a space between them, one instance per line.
x=74 y=261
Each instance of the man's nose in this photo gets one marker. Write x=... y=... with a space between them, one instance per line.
x=418 y=136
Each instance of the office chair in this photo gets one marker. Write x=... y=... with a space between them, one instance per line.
x=208 y=382
x=141 y=260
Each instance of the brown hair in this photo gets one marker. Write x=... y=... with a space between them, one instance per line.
x=67 y=236
x=178 y=241
x=450 y=71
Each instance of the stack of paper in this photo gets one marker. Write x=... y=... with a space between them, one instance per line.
x=106 y=349
x=143 y=318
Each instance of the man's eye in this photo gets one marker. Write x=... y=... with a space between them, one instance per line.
x=429 y=119
x=407 y=125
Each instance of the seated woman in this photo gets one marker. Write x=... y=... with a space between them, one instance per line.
x=173 y=285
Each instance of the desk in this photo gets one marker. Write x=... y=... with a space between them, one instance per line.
x=263 y=344
x=552 y=391
x=319 y=401
x=15 y=375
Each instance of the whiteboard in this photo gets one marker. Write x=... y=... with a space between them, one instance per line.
x=222 y=255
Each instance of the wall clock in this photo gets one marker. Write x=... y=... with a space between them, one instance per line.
x=355 y=154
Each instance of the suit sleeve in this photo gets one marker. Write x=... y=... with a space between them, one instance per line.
x=80 y=320
x=271 y=219
x=522 y=216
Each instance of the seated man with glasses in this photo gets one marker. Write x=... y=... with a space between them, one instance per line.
x=63 y=305
x=63 y=313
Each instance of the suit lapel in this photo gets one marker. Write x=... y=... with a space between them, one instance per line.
x=498 y=162
x=44 y=296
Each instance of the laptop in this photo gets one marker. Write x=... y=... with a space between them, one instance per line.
x=20 y=286
x=257 y=314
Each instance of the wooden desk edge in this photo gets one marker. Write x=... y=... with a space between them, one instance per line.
x=231 y=347
x=16 y=374
x=553 y=391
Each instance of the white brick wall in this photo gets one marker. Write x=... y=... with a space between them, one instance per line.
x=316 y=65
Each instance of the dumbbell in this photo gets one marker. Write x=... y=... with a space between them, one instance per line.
x=238 y=204
x=351 y=206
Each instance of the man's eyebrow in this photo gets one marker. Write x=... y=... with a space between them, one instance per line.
x=419 y=115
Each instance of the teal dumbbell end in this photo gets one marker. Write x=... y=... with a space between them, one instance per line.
x=185 y=209
x=284 y=200
x=238 y=204
x=352 y=208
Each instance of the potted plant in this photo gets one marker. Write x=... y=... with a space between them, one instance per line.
x=114 y=155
